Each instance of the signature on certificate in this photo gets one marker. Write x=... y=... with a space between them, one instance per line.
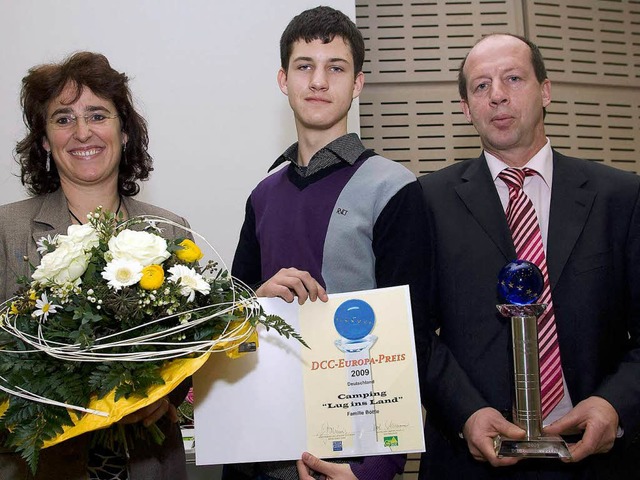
x=391 y=427
x=331 y=431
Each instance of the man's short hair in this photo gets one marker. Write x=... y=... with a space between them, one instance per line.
x=322 y=23
x=536 y=60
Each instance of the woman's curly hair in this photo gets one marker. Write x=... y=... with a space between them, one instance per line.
x=43 y=84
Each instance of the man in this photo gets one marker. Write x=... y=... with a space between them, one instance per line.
x=588 y=233
x=339 y=217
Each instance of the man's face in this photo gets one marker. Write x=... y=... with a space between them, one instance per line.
x=320 y=83
x=505 y=100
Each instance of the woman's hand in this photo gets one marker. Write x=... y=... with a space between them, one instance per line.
x=152 y=413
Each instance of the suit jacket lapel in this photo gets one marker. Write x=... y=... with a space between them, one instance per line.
x=132 y=207
x=478 y=192
x=52 y=219
x=570 y=207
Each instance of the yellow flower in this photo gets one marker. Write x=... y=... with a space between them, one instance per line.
x=14 y=309
x=32 y=296
x=152 y=277
x=189 y=252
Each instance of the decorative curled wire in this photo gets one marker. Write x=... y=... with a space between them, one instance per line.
x=100 y=350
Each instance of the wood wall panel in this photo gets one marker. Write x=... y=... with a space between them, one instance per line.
x=414 y=41
x=423 y=128
x=595 y=122
x=409 y=108
x=588 y=42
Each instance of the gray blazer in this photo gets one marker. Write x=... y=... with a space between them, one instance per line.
x=21 y=225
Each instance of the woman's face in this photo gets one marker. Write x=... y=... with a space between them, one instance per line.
x=84 y=138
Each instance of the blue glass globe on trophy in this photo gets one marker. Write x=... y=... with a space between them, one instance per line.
x=354 y=319
x=520 y=283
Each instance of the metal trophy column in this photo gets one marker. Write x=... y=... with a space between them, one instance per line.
x=520 y=283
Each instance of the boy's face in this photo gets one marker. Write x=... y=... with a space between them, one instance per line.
x=320 y=83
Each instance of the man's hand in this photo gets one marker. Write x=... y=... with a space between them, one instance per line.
x=330 y=471
x=596 y=419
x=481 y=428
x=289 y=283
x=152 y=413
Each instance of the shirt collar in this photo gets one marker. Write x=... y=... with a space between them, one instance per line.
x=541 y=162
x=347 y=148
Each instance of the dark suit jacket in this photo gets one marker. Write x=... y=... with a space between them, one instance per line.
x=593 y=258
x=21 y=225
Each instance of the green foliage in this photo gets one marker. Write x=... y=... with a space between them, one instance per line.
x=282 y=327
x=90 y=314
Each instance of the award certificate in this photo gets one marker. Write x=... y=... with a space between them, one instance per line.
x=354 y=392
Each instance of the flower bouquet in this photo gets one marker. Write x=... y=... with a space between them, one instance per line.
x=114 y=318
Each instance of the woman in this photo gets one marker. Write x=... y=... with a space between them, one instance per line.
x=86 y=146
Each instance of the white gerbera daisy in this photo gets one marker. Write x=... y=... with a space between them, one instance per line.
x=47 y=244
x=44 y=307
x=122 y=273
x=189 y=281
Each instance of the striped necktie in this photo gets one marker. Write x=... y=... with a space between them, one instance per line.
x=525 y=231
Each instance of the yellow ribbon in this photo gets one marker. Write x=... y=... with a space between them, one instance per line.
x=173 y=374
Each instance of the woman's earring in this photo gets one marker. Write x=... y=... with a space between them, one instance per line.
x=47 y=165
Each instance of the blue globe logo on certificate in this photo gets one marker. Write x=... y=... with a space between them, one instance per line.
x=520 y=283
x=354 y=319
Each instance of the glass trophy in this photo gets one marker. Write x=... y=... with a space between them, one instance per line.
x=354 y=320
x=520 y=284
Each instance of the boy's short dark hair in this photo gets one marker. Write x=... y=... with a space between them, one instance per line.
x=322 y=23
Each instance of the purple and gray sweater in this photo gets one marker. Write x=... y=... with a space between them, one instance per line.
x=352 y=227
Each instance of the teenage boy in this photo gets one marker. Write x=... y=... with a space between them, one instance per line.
x=338 y=217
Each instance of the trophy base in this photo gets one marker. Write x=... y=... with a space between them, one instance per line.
x=535 y=447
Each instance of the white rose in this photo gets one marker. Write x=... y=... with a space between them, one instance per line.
x=142 y=247
x=84 y=235
x=65 y=264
